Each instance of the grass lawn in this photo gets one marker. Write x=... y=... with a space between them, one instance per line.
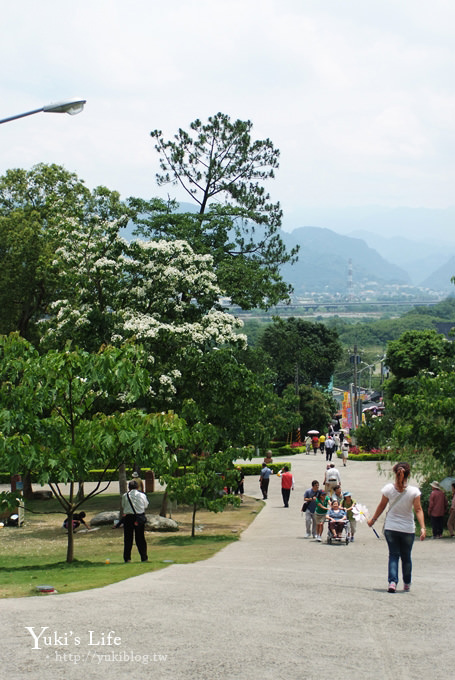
x=35 y=553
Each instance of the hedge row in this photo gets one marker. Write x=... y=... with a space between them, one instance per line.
x=94 y=475
x=365 y=456
x=288 y=450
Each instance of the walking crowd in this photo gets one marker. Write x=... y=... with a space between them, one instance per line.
x=332 y=442
x=328 y=504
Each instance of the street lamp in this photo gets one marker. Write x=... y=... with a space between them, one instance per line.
x=71 y=107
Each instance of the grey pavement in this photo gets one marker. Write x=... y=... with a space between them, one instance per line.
x=272 y=605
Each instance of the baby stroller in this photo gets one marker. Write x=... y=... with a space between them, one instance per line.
x=344 y=536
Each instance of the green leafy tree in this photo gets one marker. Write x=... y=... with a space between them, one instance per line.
x=223 y=169
x=34 y=204
x=425 y=423
x=375 y=433
x=202 y=484
x=414 y=352
x=316 y=409
x=66 y=412
x=236 y=395
x=159 y=293
x=301 y=352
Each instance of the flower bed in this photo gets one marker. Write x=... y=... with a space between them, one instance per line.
x=357 y=453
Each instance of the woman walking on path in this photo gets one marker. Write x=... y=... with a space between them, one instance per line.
x=399 y=525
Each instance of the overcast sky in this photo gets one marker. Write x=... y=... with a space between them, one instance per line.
x=357 y=94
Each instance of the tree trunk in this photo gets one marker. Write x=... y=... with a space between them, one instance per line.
x=80 y=492
x=193 y=521
x=70 y=546
x=122 y=485
x=27 y=490
x=163 y=509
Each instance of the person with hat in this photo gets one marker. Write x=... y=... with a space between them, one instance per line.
x=347 y=504
x=437 y=508
x=140 y=483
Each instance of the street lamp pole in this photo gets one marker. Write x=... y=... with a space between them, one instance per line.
x=71 y=107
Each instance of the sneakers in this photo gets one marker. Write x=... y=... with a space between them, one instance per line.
x=318 y=538
x=407 y=587
x=392 y=587
x=307 y=535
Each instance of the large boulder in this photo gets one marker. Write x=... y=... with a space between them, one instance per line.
x=158 y=523
x=104 y=518
x=154 y=522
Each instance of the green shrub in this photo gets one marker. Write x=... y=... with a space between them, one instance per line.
x=365 y=456
x=255 y=468
x=288 y=450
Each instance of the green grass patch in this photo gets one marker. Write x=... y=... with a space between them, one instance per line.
x=35 y=553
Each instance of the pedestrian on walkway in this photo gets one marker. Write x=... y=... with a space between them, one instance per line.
x=287 y=483
x=337 y=495
x=264 y=479
x=134 y=504
x=309 y=502
x=344 y=451
x=347 y=504
x=322 y=506
x=240 y=488
x=399 y=525
x=331 y=478
x=322 y=443
x=437 y=508
x=451 y=520
x=329 y=448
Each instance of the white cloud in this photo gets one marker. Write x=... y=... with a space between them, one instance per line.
x=357 y=95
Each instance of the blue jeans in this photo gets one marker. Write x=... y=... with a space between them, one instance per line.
x=400 y=545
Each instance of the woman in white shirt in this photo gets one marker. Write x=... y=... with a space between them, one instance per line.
x=399 y=525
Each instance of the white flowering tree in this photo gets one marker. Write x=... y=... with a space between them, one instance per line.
x=160 y=293
x=33 y=205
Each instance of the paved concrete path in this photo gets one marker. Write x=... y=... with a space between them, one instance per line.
x=273 y=605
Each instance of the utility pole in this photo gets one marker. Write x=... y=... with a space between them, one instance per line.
x=354 y=405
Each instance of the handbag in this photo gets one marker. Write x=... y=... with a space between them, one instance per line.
x=139 y=518
x=305 y=506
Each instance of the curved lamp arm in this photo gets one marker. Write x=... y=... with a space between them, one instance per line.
x=71 y=107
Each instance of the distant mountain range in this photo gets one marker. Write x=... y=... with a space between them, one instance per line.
x=420 y=242
x=323 y=263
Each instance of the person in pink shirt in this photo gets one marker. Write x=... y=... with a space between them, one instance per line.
x=437 y=507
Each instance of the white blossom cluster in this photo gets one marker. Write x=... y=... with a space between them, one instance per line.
x=159 y=292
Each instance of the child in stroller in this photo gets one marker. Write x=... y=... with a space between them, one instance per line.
x=338 y=524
